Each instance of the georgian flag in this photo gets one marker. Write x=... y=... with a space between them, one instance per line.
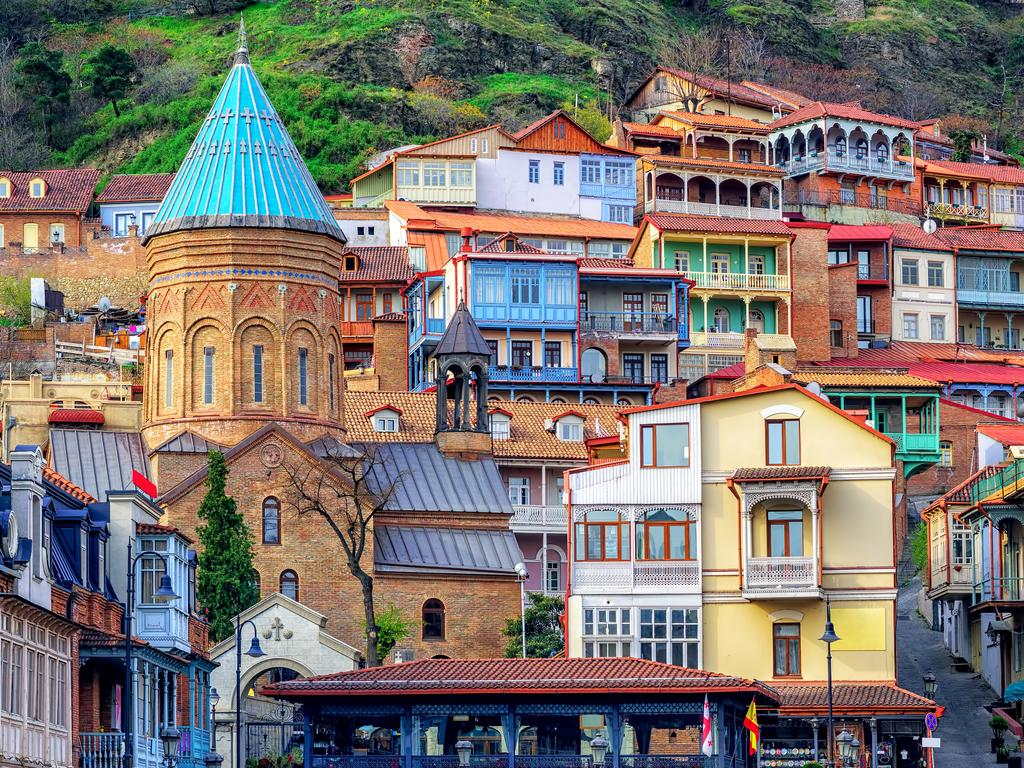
x=705 y=739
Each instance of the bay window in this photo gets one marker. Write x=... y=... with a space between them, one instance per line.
x=602 y=535
x=666 y=534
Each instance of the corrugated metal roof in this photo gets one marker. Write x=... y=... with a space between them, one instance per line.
x=96 y=461
x=421 y=548
x=187 y=442
x=426 y=480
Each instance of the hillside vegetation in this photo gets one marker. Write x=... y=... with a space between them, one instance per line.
x=355 y=77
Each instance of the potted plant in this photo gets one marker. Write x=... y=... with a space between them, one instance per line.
x=1002 y=755
x=813 y=764
x=999 y=728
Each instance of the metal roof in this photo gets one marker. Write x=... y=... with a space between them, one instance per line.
x=428 y=481
x=98 y=461
x=187 y=442
x=328 y=447
x=462 y=336
x=401 y=548
x=243 y=169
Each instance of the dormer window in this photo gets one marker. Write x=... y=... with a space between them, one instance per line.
x=5 y=187
x=501 y=425
x=37 y=187
x=569 y=427
x=384 y=419
x=351 y=264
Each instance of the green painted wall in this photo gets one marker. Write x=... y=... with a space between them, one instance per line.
x=373 y=185
x=691 y=256
x=737 y=314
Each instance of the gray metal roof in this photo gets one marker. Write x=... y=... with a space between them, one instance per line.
x=462 y=336
x=98 y=461
x=328 y=447
x=187 y=442
x=428 y=481
x=400 y=548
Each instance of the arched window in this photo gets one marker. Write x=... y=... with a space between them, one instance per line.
x=721 y=320
x=595 y=365
x=290 y=584
x=882 y=153
x=757 y=320
x=666 y=534
x=602 y=535
x=271 y=521
x=862 y=148
x=433 y=620
x=841 y=145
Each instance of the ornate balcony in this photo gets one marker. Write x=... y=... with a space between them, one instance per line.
x=731 y=281
x=658 y=576
x=781 y=577
x=535 y=517
x=662 y=205
x=629 y=323
x=528 y=373
x=715 y=340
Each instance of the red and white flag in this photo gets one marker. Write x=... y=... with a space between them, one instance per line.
x=705 y=733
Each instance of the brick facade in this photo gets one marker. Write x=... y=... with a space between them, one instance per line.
x=391 y=351
x=810 y=291
x=842 y=301
x=75 y=229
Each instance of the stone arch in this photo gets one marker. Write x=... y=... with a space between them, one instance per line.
x=206 y=334
x=168 y=338
x=254 y=332
x=264 y=665
x=303 y=370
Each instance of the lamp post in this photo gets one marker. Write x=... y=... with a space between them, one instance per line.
x=464 y=749
x=931 y=684
x=164 y=593
x=814 y=723
x=170 y=737
x=521 y=573
x=843 y=743
x=213 y=757
x=254 y=652
x=599 y=749
x=828 y=637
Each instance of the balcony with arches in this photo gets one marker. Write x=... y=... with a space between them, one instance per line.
x=853 y=148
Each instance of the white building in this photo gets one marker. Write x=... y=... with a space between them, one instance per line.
x=924 y=287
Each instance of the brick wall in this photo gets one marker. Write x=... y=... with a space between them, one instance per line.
x=810 y=282
x=842 y=299
x=391 y=354
x=14 y=227
x=609 y=345
x=171 y=468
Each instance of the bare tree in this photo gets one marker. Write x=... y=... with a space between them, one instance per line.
x=347 y=494
x=696 y=54
x=751 y=54
x=19 y=148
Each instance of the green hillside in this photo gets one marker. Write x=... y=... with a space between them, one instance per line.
x=355 y=77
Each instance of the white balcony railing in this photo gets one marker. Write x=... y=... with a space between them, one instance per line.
x=662 y=575
x=781 y=574
x=715 y=209
x=102 y=750
x=537 y=517
x=715 y=340
x=739 y=281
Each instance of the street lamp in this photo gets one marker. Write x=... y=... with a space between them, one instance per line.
x=844 y=742
x=521 y=573
x=254 y=652
x=213 y=757
x=170 y=736
x=930 y=684
x=828 y=637
x=599 y=749
x=464 y=749
x=164 y=593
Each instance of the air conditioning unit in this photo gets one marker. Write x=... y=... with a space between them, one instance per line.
x=1017 y=451
x=401 y=655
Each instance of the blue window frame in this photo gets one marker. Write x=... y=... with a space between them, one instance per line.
x=559 y=174
x=488 y=285
x=525 y=286
x=559 y=287
x=534 y=172
x=621 y=214
x=590 y=171
x=618 y=173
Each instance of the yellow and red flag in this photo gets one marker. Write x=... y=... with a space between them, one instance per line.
x=750 y=723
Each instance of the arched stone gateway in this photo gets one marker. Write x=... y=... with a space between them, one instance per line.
x=294 y=644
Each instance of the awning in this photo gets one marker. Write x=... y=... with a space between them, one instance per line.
x=76 y=416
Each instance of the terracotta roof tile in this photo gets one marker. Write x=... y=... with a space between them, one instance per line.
x=706 y=162
x=157 y=529
x=527 y=437
x=978 y=239
x=784 y=95
x=816 y=109
x=962 y=492
x=136 y=187
x=850 y=697
x=647 y=129
x=66 y=190
x=391 y=317
x=987 y=171
x=904 y=353
x=719 y=121
x=497 y=245
x=389 y=263
x=679 y=222
x=75 y=416
x=912 y=236
x=553 y=676
x=54 y=477
x=862 y=232
x=779 y=473
x=884 y=379
x=724 y=88
x=524 y=226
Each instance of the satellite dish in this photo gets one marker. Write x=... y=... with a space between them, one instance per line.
x=103 y=304
x=929 y=226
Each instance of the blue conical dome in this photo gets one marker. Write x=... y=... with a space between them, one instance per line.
x=243 y=169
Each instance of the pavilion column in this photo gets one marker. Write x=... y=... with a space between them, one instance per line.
x=686 y=192
x=745 y=553
x=748 y=201
x=718 y=196
x=704 y=299
x=746 y=313
x=981 y=320
x=1009 y=330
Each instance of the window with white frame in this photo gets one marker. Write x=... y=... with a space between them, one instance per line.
x=553 y=576
x=938 y=327
x=408 y=173
x=619 y=173
x=619 y=214
x=1002 y=200
x=385 y=421
x=501 y=426
x=56 y=233
x=519 y=490
x=472 y=146
x=151 y=569
x=909 y=271
x=5 y=187
x=945 y=453
x=434 y=175
x=570 y=429
x=909 y=325
x=460 y=174
x=590 y=171
x=670 y=635
x=121 y=223
x=37 y=188
x=606 y=632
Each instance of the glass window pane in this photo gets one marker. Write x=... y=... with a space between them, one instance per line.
x=647 y=441
x=776 y=541
x=796 y=539
x=677 y=541
x=656 y=542
x=792 y=442
x=774 y=442
x=594 y=542
x=611 y=541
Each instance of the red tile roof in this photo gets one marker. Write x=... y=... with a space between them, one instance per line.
x=912 y=236
x=379 y=263
x=136 y=187
x=1007 y=434
x=718 y=121
x=391 y=317
x=156 y=529
x=903 y=353
x=707 y=162
x=497 y=245
x=862 y=233
x=850 y=698
x=553 y=676
x=75 y=416
x=66 y=190
x=987 y=171
x=56 y=478
x=980 y=239
x=783 y=95
x=818 y=109
x=648 y=129
x=728 y=373
x=679 y=222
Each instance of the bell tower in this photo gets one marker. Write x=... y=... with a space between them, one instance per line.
x=463 y=354
x=244 y=256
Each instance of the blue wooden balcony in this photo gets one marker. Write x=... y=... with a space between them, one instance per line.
x=526 y=314
x=989 y=299
x=532 y=373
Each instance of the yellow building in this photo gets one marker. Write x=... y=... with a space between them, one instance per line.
x=973 y=193
x=716 y=543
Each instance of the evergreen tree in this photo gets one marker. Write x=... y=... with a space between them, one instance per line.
x=111 y=73
x=225 y=585
x=543 y=628
x=45 y=84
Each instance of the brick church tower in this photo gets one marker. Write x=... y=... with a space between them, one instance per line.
x=244 y=256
